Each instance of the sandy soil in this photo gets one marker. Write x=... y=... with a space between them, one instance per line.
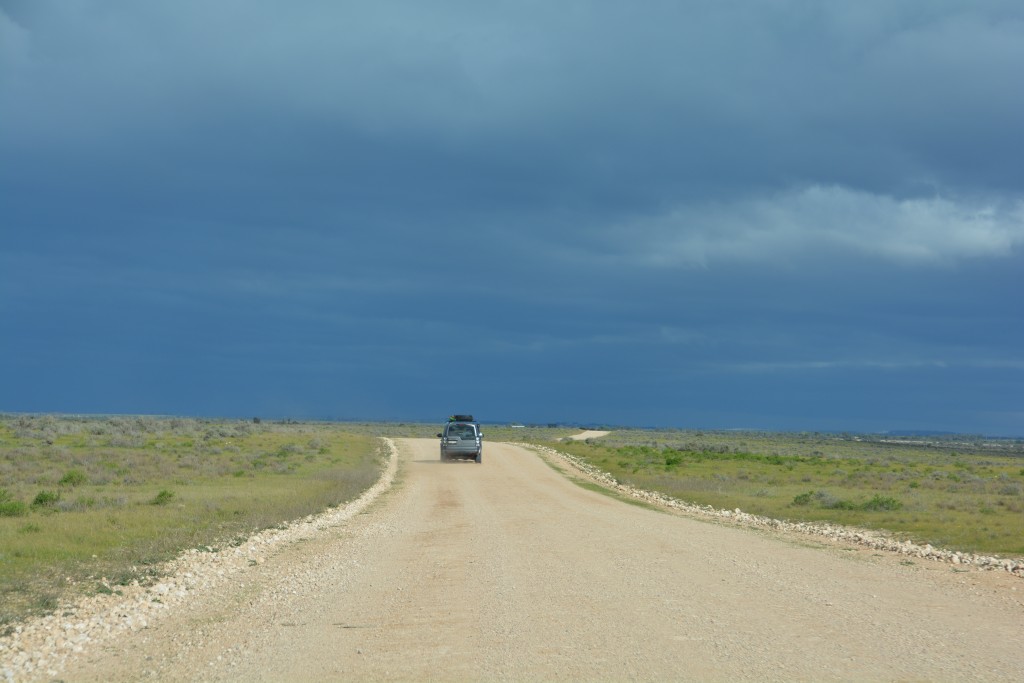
x=588 y=434
x=509 y=571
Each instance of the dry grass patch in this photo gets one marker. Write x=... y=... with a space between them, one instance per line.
x=88 y=499
x=957 y=493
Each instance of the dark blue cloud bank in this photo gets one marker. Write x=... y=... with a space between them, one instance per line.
x=782 y=215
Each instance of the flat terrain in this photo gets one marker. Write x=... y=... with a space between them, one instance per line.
x=508 y=570
x=959 y=493
x=91 y=504
x=588 y=434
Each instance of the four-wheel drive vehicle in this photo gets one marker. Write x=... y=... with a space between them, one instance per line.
x=461 y=438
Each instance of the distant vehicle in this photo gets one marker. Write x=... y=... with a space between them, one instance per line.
x=461 y=437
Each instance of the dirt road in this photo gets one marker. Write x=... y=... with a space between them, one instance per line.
x=509 y=571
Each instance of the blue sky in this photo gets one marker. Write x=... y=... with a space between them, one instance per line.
x=779 y=215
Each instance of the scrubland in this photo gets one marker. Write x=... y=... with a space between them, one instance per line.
x=959 y=493
x=88 y=504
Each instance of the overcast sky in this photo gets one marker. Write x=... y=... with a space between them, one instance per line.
x=786 y=215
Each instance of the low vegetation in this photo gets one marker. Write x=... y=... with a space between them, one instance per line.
x=960 y=493
x=87 y=504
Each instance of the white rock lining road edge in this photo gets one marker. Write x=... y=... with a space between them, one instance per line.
x=873 y=539
x=46 y=645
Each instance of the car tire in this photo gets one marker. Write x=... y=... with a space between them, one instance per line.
x=479 y=457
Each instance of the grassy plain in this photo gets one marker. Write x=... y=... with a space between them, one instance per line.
x=960 y=493
x=90 y=503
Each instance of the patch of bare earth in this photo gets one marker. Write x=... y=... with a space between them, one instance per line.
x=588 y=434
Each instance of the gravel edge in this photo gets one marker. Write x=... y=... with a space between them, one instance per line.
x=876 y=540
x=44 y=647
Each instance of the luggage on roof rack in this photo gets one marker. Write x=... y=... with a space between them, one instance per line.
x=460 y=418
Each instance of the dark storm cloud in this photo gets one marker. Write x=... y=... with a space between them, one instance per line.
x=700 y=193
x=565 y=102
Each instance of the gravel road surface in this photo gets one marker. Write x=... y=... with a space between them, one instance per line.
x=507 y=570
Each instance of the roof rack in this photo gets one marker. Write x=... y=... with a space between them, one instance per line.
x=461 y=418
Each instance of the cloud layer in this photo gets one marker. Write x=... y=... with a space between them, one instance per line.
x=778 y=214
x=831 y=220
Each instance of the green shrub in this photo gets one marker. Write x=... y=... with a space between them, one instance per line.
x=46 y=499
x=13 y=508
x=162 y=498
x=882 y=503
x=73 y=478
x=803 y=498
